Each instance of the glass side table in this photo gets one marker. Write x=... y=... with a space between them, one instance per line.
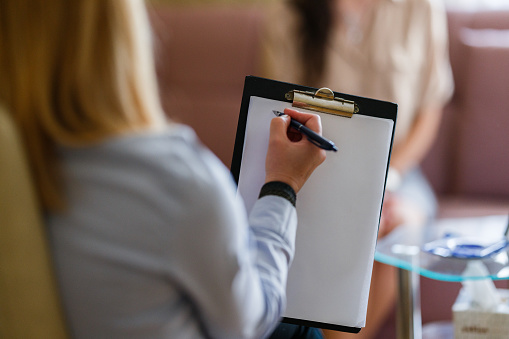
x=403 y=248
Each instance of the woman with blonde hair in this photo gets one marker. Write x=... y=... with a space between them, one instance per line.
x=148 y=237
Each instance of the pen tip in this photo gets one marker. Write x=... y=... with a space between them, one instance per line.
x=277 y=113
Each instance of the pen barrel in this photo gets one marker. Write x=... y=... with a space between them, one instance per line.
x=313 y=137
x=307 y=131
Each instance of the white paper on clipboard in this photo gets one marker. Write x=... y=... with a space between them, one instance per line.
x=338 y=212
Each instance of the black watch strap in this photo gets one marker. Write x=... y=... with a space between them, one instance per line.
x=280 y=189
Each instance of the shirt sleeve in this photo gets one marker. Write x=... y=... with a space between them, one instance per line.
x=437 y=81
x=232 y=268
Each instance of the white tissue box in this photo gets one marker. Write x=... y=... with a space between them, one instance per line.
x=471 y=322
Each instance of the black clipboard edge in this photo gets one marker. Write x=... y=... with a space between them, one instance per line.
x=325 y=326
x=276 y=90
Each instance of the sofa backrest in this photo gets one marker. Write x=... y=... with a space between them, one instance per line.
x=470 y=156
x=203 y=54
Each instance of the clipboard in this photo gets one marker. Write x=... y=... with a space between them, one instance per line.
x=339 y=207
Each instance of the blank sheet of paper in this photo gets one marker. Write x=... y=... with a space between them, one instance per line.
x=338 y=212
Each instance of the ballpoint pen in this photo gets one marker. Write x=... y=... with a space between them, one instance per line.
x=312 y=136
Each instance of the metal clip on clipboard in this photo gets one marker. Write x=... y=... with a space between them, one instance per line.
x=322 y=100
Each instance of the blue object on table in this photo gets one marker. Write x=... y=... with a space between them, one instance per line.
x=465 y=248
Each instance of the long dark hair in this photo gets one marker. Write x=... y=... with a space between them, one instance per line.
x=316 y=20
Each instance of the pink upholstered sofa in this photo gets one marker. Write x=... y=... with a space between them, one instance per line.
x=468 y=165
x=204 y=53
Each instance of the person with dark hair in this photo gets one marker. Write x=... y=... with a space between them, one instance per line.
x=392 y=50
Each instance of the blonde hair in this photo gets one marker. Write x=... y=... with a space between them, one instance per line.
x=74 y=72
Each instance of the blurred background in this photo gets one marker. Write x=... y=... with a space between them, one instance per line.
x=468 y=4
x=205 y=48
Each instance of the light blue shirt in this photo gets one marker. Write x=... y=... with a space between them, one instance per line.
x=155 y=243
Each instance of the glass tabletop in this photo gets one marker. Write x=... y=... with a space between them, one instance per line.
x=421 y=249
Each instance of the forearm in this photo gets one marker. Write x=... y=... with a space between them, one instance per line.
x=247 y=299
x=412 y=150
x=274 y=235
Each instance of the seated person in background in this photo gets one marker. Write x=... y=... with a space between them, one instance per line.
x=393 y=50
x=148 y=237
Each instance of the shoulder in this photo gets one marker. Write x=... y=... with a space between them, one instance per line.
x=424 y=6
x=419 y=7
x=168 y=164
x=280 y=10
x=281 y=19
x=180 y=159
x=429 y=16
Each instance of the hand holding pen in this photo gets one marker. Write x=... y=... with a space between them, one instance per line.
x=290 y=157
x=311 y=135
